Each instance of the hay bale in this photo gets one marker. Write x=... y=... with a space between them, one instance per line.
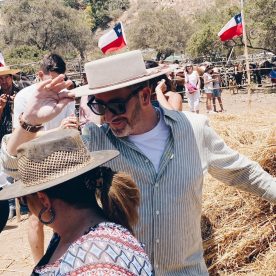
x=238 y=228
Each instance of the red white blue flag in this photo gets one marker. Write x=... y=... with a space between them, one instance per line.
x=2 y=61
x=113 y=40
x=232 y=29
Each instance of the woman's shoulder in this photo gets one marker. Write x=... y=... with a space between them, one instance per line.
x=104 y=249
x=109 y=245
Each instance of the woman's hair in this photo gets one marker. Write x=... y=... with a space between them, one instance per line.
x=154 y=82
x=114 y=193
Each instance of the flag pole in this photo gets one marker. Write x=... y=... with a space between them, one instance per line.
x=246 y=55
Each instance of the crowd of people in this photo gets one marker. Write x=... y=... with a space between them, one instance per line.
x=121 y=183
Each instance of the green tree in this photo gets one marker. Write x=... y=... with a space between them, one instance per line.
x=45 y=24
x=104 y=11
x=161 y=29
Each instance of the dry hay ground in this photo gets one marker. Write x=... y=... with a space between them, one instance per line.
x=238 y=228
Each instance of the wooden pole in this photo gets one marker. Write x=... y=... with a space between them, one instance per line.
x=246 y=55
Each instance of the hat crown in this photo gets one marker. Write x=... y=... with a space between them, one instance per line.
x=51 y=156
x=115 y=69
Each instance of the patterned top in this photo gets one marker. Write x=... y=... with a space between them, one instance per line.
x=105 y=249
x=171 y=199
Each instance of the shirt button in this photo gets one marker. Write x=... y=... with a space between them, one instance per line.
x=172 y=156
x=156 y=185
x=147 y=160
x=156 y=266
x=157 y=240
x=157 y=212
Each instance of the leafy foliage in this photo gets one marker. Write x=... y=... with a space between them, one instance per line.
x=45 y=24
x=161 y=29
x=104 y=11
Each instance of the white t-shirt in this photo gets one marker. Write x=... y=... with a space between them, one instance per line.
x=25 y=95
x=152 y=143
x=209 y=85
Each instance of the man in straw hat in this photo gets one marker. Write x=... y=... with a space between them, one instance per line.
x=7 y=93
x=166 y=152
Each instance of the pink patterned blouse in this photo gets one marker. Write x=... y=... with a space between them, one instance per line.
x=105 y=249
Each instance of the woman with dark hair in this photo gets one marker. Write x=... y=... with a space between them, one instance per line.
x=208 y=87
x=161 y=90
x=91 y=209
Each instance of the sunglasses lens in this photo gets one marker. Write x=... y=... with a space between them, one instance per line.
x=117 y=108
x=97 y=108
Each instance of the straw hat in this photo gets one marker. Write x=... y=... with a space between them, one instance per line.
x=51 y=160
x=116 y=72
x=6 y=70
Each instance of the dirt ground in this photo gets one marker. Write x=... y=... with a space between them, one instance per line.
x=15 y=256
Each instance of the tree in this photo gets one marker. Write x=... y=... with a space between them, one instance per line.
x=45 y=24
x=104 y=11
x=161 y=29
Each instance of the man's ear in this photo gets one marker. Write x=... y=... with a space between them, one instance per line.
x=145 y=96
x=40 y=75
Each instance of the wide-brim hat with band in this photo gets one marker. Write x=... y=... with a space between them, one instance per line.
x=117 y=71
x=6 y=70
x=51 y=160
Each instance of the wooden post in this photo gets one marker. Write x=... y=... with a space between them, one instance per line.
x=246 y=55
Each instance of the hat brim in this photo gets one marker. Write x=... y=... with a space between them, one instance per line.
x=9 y=72
x=152 y=73
x=18 y=189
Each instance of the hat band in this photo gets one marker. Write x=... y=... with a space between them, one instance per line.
x=155 y=71
x=56 y=165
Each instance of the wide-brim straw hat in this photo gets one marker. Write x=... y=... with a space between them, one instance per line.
x=6 y=70
x=51 y=160
x=117 y=71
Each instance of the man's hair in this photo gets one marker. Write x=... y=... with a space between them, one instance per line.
x=53 y=63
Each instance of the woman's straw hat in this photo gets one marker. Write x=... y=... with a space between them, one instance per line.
x=51 y=160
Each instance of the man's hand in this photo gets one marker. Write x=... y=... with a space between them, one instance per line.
x=48 y=101
x=3 y=102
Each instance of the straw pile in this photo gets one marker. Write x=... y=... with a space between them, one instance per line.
x=238 y=229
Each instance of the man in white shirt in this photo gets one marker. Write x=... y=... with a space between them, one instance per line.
x=51 y=66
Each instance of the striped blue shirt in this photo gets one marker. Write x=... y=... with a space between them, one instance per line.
x=171 y=199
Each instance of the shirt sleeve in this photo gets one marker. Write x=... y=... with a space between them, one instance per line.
x=8 y=163
x=235 y=169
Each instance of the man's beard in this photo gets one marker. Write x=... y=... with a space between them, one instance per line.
x=131 y=123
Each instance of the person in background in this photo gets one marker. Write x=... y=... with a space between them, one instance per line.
x=91 y=209
x=161 y=90
x=192 y=87
x=8 y=91
x=50 y=67
x=217 y=90
x=208 y=87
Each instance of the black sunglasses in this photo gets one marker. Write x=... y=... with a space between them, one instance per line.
x=117 y=107
x=23 y=201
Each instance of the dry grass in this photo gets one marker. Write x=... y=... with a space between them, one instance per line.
x=238 y=228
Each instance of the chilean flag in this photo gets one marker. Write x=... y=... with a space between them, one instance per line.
x=113 y=40
x=232 y=29
x=2 y=62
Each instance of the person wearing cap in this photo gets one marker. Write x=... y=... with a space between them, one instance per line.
x=166 y=152
x=50 y=67
x=91 y=209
